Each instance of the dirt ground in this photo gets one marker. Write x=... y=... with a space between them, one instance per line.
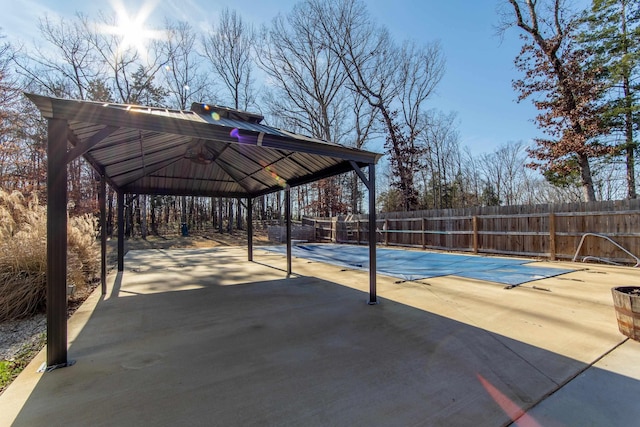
x=198 y=239
x=177 y=241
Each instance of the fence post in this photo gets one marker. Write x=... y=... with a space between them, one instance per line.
x=424 y=243
x=385 y=227
x=315 y=233
x=474 y=221
x=358 y=231
x=552 y=236
x=334 y=229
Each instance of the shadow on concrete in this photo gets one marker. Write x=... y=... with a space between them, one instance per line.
x=117 y=285
x=233 y=350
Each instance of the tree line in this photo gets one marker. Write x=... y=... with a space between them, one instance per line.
x=327 y=69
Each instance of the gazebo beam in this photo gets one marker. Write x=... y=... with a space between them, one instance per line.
x=84 y=146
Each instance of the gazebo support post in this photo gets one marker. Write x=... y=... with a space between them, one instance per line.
x=56 y=244
x=102 y=200
x=120 y=230
x=287 y=213
x=250 y=228
x=373 y=298
x=370 y=183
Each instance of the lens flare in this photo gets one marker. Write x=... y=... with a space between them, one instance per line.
x=216 y=116
x=279 y=180
x=513 y=411
x=131 y=29
x=235 y=133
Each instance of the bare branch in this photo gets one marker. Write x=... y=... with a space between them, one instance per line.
x=229 y=50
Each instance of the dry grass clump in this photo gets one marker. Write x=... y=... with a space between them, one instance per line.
x=23 y=255
x=83 y=260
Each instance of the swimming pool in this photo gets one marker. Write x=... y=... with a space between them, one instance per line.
x=416 y=265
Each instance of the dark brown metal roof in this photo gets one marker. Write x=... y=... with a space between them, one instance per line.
x=207 y=151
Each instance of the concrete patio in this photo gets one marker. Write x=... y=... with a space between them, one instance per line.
x=204 y=337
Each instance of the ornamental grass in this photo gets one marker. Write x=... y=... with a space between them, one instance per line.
x=23 y=255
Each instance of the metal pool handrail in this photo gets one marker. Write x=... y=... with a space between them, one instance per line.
x=602 y=259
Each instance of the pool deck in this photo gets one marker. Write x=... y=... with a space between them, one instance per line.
x=204 y=337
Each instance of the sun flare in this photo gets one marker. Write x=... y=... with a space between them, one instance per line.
x=132 y=28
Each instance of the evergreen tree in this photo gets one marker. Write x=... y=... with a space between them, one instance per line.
x=145 y=92
x=611 y=34
x=489 y=195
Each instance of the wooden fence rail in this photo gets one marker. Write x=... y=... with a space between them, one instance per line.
x=549 y=231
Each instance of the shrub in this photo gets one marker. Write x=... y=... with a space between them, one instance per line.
x=23 y=255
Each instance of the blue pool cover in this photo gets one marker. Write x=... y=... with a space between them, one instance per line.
x=416 y=265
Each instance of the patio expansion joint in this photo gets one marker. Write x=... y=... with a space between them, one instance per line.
x=567 y=381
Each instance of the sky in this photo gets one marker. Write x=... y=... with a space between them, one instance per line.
x=477 y=84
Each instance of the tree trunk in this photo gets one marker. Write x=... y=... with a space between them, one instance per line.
x=143 y=216
x=183 y=210
x=405 y=175
x=586 y=178
x=213 y=213
x=630 y=144
x=191 y=221
x=154 y=224
x=128 y=216
x=279 y=207
x=110 y=213
x=171 y=204
x=220 y=214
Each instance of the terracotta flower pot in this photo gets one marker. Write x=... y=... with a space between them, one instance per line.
x=626 y=300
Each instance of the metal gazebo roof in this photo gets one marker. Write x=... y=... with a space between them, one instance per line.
x=206 y=151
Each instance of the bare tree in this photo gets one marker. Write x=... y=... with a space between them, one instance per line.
x=421 y=68
x=17 y=154
x=439 y=158
x=364 y=128
x=65 y=65
x=9 y=92
x=131 y=73
x=307 y=88
x=185 y=81
x=229 y=50
x=306 y=78
x=472 y=177
x=539 y=191
x=394 y=80
x=504 y=170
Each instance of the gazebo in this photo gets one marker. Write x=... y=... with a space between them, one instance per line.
x=207 y=151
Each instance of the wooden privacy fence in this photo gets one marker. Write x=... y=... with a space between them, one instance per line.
x=551 y=231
